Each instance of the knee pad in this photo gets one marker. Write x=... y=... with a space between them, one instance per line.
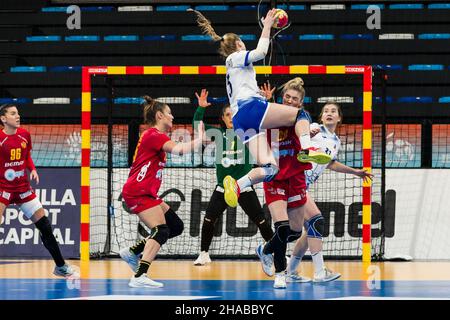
x=160 y=233
x=303 y=115
x=294 y=235
x=270 y=171
x=315 y=227
x=175 y=224
x=282 y=230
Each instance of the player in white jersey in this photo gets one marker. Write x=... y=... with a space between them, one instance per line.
x=328 y=141
x=252 y=113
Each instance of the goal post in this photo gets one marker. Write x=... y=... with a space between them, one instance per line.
x=89 y=71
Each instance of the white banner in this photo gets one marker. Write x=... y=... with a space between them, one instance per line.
x=417 y=217
x=422 y=213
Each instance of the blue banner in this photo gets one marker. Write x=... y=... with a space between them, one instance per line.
x=59 y=193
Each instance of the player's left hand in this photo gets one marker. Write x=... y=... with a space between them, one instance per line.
x=34 y=176
x=363 y=174
x=203 y=98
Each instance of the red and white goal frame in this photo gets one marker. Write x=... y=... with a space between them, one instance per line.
x=87 y=72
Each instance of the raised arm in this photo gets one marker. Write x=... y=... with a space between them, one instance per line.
x=200 y=112
x=263 y=44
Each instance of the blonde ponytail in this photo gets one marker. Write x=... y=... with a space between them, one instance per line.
x=205 y=25
x=227 y=41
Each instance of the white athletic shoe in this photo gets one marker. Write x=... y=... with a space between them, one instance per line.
x=326 y=275
x=280 y=280
x=203 y=258
x=266 y=260
x=144 y=282
x=65 y=271
x=295 y=277
x=130 y=258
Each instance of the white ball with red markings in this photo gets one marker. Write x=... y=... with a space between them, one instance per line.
x=282 y=19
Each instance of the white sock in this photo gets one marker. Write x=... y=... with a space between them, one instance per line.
x=293 y=264
x=317 y=259
x=305 y=141
x=244 y=182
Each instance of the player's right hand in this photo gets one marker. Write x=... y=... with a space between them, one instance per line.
x=270 y=18
x=203 y=99
x=267 y=91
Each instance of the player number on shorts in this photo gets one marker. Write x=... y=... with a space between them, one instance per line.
x=16 y=154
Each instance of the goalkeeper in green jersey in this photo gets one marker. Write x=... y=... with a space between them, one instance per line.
x=233 y=159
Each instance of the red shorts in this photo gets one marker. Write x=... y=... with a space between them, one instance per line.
x=140 y=203
x=292 y=190
x=16 y=197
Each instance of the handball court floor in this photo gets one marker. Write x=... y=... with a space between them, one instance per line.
x=22 y=279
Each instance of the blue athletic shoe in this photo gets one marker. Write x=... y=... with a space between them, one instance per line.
x=266 y=260
x=130 y=258
x=65 y=271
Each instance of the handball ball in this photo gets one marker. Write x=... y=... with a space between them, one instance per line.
x=281 y=19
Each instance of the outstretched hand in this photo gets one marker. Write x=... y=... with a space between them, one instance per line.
x=203 y=98
x=267 y=91
x=363 y=174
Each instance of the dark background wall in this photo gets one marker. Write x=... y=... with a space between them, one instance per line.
x=25 y=18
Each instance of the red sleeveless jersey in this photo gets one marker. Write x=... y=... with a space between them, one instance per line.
x=286 y=149
x=15 y=159
x=149 y=160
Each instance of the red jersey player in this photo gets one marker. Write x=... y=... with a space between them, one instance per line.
x=140 y=192
x=15 y=159
x=286 y=192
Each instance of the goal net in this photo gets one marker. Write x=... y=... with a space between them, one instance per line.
x=189 y=180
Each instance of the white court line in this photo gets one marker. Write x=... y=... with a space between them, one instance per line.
x=140 y=297
x=18 y=289
x=384 y=298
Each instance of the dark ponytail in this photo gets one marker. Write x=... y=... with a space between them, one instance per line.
x=151 y=107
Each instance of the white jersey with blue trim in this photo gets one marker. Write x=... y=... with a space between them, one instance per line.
x=327 y=142
x=241 y=79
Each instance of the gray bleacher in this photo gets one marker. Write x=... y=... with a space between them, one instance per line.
x=39 y=55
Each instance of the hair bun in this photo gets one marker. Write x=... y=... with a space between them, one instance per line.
x=148 y=99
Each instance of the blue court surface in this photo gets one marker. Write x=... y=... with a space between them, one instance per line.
x=117 y=289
